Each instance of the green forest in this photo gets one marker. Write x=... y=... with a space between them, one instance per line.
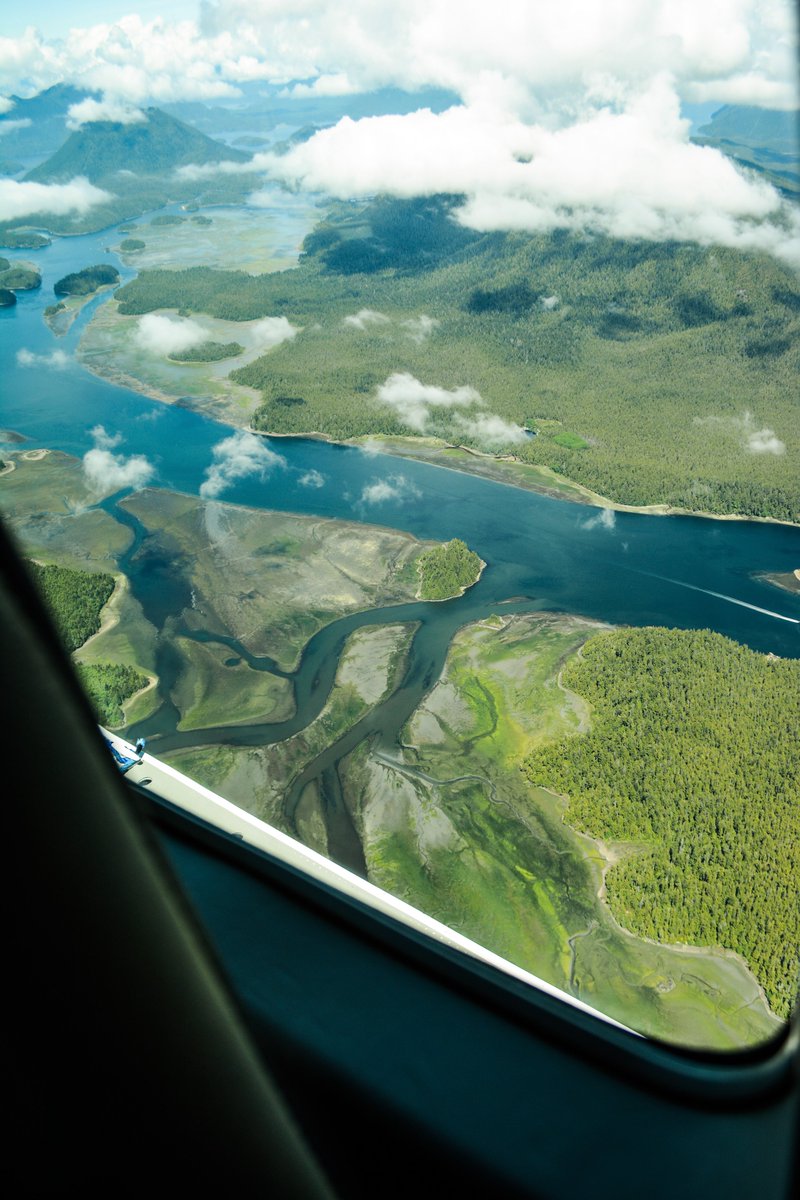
x=19 y=277
x=208 y=352
x=651 y=373
x=75 y=600
x=83 y=283
x=692 y=761
x=108 y=685
x=447 y=570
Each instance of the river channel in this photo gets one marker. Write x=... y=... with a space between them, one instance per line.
x=541 y=553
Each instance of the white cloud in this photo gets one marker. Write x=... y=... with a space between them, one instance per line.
x=323 y=85
x=19 y=200
x=397 y=488
x=567 y=113
x=606 y=518
x=753 y=440
x=491 y=431
x=7 y=127
x=538 y=56
x=90 y=110
x=237 y=457
x=6 y=105
x=629 y=173
x=765 y=441
x=56 y=361
x=168 y=335
x=365 y=317
x=418 y=404
x=533 y=51
x=194 y=171
x=271 y=331
x=414 y=403
x=107 y=472
x=420 y=328
x=312 y=479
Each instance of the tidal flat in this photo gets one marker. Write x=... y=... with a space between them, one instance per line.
x=451 y=825
x=109 y=348
x=257 y=778
x=266 y=238
x=54 y=517
x=270 y=580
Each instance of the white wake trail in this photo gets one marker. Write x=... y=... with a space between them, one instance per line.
x=722 y=596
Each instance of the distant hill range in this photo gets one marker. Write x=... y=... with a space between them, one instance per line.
x=34 y=128
x=765 y=140
x=103 y=150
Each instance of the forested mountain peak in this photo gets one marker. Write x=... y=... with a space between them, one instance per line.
x=153 y=146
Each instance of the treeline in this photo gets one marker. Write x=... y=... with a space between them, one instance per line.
x=19 y=278
x=208 y=352
x=75 y=600
x=659 y=361
x=21 y=239
x=83 y=283
x=692 y=757
x=447 y=570
x=108 y=686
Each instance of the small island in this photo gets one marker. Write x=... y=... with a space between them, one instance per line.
x=76 y=600
x=448 y=570
x=77 y=288
x=19 y=276
x=87 y=281
x=129 y=245
x=208 y=352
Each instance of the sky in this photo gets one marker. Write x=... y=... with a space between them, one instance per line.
x=570 y=113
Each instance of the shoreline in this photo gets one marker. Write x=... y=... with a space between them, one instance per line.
x=400 y=447
x=586 y=497
x=455 y=595
x=611 y=856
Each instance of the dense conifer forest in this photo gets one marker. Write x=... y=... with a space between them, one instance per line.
x=83 y=283
x=208 y=352
x=108 y=685
x=651 y=373
x=691 y=760
x=75 y=600
x=447 y=570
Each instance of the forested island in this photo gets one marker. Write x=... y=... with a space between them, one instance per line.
x=87 y=281
x=208 y=352
x=75 y=600
x=448 y=570
x=19 y=277
x=691 y=760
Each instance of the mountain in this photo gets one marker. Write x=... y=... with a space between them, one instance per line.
x=265 y=107
x=35 y=128
x=765 y=140
x=156 y=146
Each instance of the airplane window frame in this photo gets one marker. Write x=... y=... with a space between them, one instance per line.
x=732 y=1077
